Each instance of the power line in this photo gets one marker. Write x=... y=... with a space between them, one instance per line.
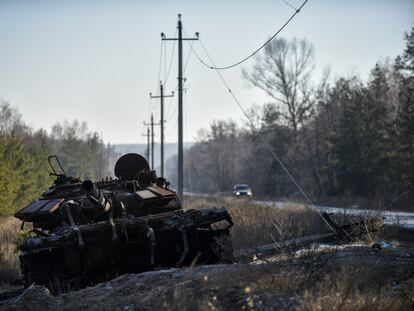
x=288 y=4
x=163 y=54
x=151 y=124
x=165 y=62
x=174 y=128
x=147 y=150
x=153 y=105
x=160 y=63
x=180 y=39
x=392 y=203
x=149 y=108
x=268 y=147
x=161 y=123
x=171 y=60
x=170 y=112
x=189 y=52
x=190 y=183
x=212 y=66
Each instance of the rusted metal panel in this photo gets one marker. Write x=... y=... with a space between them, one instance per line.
x=37 y=208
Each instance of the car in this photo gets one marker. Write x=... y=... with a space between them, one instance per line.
x=242 y=190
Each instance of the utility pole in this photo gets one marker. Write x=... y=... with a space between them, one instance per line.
x=162 y=96
x=180 y=40
x=147 y=151
x=152 y=139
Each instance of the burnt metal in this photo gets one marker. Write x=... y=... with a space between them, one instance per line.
x=88 y=232
x=339 y=234
x=54 y=173
x=130 y=164
x=339 y=231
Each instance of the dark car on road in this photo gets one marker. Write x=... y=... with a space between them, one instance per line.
x=242 y=190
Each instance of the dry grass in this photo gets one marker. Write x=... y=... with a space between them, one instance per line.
x=364 y=287
x=321 y=281
x=9 y=259
x=256 y=224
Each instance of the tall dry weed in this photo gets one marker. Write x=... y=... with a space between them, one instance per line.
x=9 y=259
x=365 y=287
x=256 y=224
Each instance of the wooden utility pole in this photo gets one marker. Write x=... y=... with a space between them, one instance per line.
x=162 y=96
x=180 y=40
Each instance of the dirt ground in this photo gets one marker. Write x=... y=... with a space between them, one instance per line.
x=348 y=277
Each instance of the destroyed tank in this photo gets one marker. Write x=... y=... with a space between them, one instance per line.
x=86 y=232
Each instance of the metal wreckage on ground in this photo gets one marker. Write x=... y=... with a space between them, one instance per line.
x=85 y=232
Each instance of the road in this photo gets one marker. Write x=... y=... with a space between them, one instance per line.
x=405 y=219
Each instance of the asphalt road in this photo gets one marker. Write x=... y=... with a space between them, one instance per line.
x=405 y=219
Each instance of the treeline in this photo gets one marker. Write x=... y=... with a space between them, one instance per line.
x=342 y=138
x=24 y=170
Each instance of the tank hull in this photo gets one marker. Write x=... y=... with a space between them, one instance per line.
x=84 y=255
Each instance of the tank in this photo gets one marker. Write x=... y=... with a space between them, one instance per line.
x=85 y=232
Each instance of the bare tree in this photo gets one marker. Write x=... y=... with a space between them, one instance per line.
x=283 y=72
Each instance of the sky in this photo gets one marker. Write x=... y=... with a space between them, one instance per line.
x=97 y=61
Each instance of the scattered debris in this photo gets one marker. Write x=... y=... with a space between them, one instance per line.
x=344 y=234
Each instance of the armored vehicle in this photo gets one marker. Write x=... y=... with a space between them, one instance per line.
x=86 y=232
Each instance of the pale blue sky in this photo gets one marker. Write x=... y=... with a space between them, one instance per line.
x=98 y=60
